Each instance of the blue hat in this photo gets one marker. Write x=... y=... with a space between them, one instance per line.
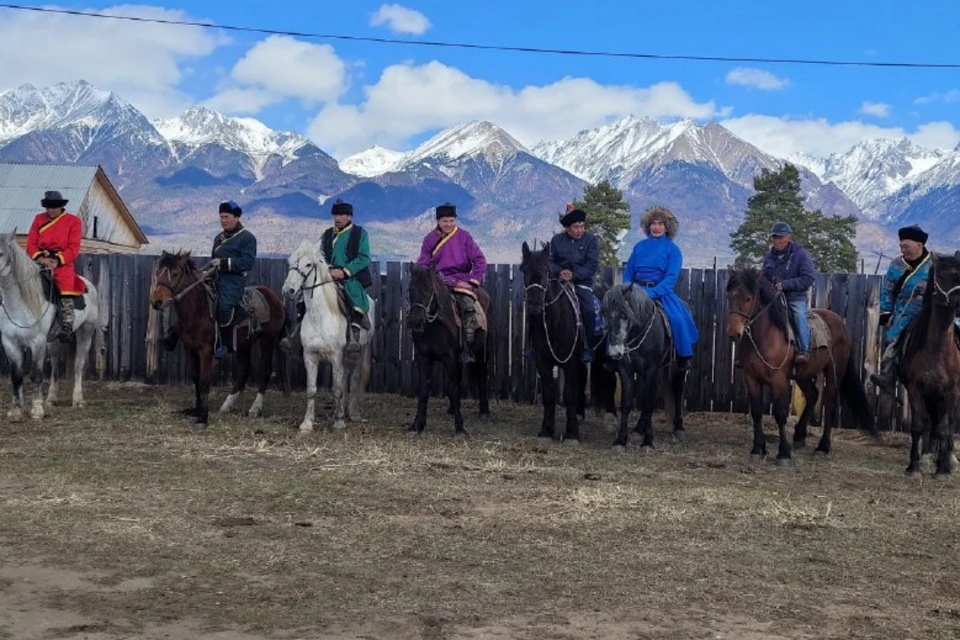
x=230 y=207
x=780 y=229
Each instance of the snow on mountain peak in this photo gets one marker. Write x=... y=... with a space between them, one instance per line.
x=372 y=162
x=468 y=139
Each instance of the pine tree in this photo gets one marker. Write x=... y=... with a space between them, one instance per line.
x=608 y=218
x=829 y=239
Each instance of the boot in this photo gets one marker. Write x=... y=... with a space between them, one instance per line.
x=587 y=355
x=683 y=363
x=353 y=341
x=66 y=318
x=466 y=352
x=292 y=340
x=888 y=377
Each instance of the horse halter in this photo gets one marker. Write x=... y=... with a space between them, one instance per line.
x=748 y=331
x=177 y=296
x=314 y=271
x=938 y=289
x=426 y=307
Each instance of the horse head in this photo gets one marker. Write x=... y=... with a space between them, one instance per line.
x=424 y=297
x=174 y=272
x=535 y=267
x=743 y=300
x=304 y=270
x=945 y=276
x=622 y=306
x=7 y=245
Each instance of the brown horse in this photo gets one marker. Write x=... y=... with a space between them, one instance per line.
x=758 y=320
x=930 y=368
x=181 y=283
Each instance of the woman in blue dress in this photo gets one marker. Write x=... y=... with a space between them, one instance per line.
x=655 y=265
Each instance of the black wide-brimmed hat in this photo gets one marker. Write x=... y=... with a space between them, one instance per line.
x=53 y=200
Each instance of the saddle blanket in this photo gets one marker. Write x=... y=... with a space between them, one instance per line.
x=819 y=331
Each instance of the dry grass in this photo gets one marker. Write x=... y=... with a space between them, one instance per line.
x=250 y=528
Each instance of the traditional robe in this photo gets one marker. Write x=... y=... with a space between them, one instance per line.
x=901 y=296
x=58 y=238
x=456 y=257
x=238 y=251
x=338 y=258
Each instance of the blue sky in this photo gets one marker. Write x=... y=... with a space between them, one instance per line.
x=349 y=95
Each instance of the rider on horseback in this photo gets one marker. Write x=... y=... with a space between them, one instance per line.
x=901 y=299
x=460 y=264
x=789 y=267
x=574 y=258
x=54 y=242
x=655 y=265
x=234 y=253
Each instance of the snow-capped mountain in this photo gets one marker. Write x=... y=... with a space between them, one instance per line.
x=874 y=170
x=472 y=139
x=372 y=162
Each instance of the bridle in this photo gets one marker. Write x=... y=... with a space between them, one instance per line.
x=938 y=289
x=314 y=271
x=430 y=302
x=748 y=330
x=177 y=296
x=565 y=291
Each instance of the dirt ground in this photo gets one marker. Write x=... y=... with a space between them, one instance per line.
x=116 y=521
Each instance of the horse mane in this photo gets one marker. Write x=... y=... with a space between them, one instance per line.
x=631 y=301
x=26 y=274
x=425 y=280
x=762 y=289
x=179 y=259
x=917 y=330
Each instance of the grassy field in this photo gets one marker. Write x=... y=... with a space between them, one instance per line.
x=116 y=521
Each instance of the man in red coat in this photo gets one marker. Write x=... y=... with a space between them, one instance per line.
x=54 y=242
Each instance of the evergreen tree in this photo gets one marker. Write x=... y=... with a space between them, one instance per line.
x=829 y=239
x=608 y=218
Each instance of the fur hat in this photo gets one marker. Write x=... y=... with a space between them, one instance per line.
x=341 y=208
x=53 y=200
x=231 y=207
x=913 y=232
x=572 y=215
x=663 y=214
x=446 y=210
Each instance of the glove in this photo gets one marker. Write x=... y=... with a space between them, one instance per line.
x=884 y=319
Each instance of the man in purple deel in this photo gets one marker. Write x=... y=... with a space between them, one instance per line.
x=461 y=265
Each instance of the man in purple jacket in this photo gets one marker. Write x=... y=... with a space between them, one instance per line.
x=461 y=265
x=789 y=267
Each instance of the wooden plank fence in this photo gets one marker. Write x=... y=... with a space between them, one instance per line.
x=715 y=384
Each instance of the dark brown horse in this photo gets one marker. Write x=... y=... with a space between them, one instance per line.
x=930 y=367
x=436 y=338
x=178 y=281
x=758 y=320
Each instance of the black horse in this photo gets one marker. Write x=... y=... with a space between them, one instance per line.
x=553 y=315
x=436 y=338
x=637 y=341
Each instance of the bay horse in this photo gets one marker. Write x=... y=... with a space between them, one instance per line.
x=179 y=282
x=553 y=322
x=930 y=366
x=436 y=338
x=26 y=316
x=757 y=321
x=638 y=343
x=323 y=335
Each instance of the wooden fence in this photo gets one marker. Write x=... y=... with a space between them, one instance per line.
x=714 y=383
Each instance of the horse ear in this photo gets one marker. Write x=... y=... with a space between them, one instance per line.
x=629 y=288
x=543 y=245
x=525 y=250
x=956 y=255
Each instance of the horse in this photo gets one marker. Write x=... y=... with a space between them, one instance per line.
x=436 y=338
x=25 y=323
x=930 y=367
x=179 y=282
x=637 y=341
x=323 y=335
x=757 y=321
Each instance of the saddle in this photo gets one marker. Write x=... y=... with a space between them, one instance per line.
x=483 y=301
x=819 y=331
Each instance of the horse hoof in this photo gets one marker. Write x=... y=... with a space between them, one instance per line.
x=784 y=463
x=339 y=425
x=680 y=435
x=254 y=413
x=820 y=455
x=799 y=444
x=757 y=457
x=36 y=415
x=15 y=415
x=913 y=474
x=199 y=426
x=636 y=438
x=618 y=448
x=943 y=476
x=571 y=442
x=79 y=404
x=306 y=427
x=413 y=433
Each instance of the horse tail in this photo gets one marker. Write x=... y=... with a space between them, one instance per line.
x=851 y=390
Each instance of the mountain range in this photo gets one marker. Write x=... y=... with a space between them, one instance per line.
x=173 y=172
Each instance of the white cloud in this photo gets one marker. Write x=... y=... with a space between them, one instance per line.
x=140 y=62
x=279 y=68
x=878 y=109
x=409 y=100
x=782 y=136
x=949 y=96
x=756 y=78
x=400 y=19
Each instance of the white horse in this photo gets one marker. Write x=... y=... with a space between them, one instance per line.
x=323 y=334
x=25 y=321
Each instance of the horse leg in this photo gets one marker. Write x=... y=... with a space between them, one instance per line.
x=755 y=392
x=678 y=385
x=480 y=373
x=581 y=392
x=831 y=411
x=268 y=345
x=944 y=431
x=649 y=403
x=454 y=375
x=571 y=394
x=919 y=425
x=808 y=386
x=353 y=389
x=549 y=400
x=84 y=340
x=311 y=361
x=781 y=409
x=338 y=376
x=239 y=380
x=626 y=404
x=15 y=355
x=205 y=361
x=423 y=395
x=53 y=390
